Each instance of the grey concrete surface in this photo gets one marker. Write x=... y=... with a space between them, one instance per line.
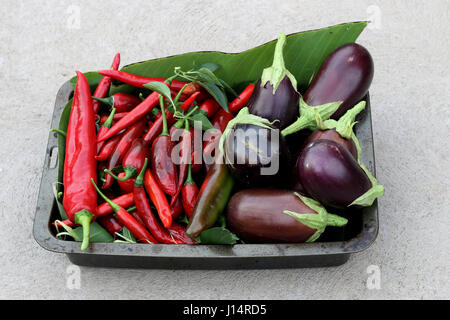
x=42 y=44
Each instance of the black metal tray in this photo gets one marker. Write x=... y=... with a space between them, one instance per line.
x=240 y=256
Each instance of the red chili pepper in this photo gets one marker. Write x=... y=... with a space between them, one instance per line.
x=108 y=148
x=123 y=102
x=158 y=198
x=122 y=147
x=133 y=116
x=189 y=101
x=238 y=103
x=126 y=185
x=125 y=201
x=144 y=211
x=210 y=107
x=139 y=81
x=189 y=194
x=178 y=232
x=133 y=160
x=111 y=224
x=67 y=222
x=103 y=87
x=138 y=231
x=186 y=152
x=136 y=217
x=163 y=167
x=80 y=199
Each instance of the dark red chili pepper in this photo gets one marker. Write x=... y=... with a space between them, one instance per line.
x=185 y=157
x=133 y=160
x=144 y=211
x=178 y=232
x=189 y=194
x=176 y=207
x=158 y=198
x=157 y=127
x=125 y=201
x=210 y=107
x=238 y=103
x=105 y=126
x=196 y=165
x=133 y=116
x=122 y=147
x=139 y=232
x=123 y=102
x=197 y=143
x=163 y=167
x=111 y=224
x=80 y=199
x=108 y=148
x=139 y=81
x=104 y=85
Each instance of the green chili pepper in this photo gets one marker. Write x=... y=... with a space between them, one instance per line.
x=212 y=199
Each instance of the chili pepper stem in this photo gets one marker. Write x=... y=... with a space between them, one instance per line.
x=109 y=120
x=112 y=204
x=165 y=130
x=84 y=219
x=139 y=182
x=130 y=172
x=189 y=179
x=177 y=97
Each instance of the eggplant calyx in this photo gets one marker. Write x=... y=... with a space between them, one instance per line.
x=367 y=199
x=344 y=126
x=319 y=220
x=243 y=117
x=311 y=117
x=276 y=73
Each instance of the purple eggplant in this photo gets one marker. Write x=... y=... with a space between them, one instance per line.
x=275 y=96
x=330 y=174
x=340 y=131
x=256 y=155
x=344 y=76
x=277 y=216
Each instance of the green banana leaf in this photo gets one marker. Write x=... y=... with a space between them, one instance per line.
x=303 y=54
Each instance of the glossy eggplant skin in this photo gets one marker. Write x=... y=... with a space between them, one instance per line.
x=345 y=76
x=256 y=215
x=329 y=174
x=248 y=152
x=281 y=106
x=332 y=135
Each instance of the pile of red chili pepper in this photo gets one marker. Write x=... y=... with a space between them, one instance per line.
x=119 y=169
